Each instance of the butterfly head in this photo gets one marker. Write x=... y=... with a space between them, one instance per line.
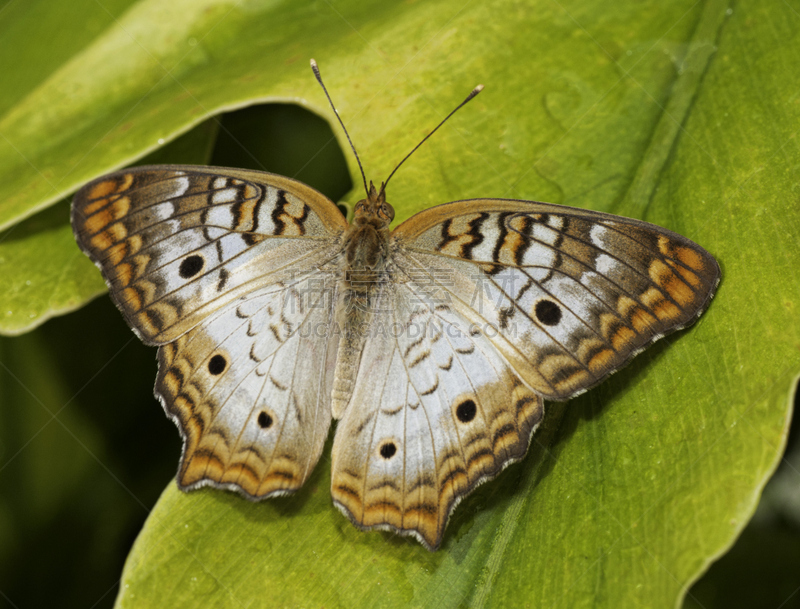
x=374 y=209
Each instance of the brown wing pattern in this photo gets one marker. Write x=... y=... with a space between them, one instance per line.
x=570 y=294
x=177 y=242
x=501 y=304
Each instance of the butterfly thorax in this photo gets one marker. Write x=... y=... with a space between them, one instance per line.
x=366 y=254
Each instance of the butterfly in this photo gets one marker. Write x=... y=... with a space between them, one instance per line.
x=434 y=345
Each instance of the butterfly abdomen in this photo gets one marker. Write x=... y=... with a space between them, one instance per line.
x=364 y=271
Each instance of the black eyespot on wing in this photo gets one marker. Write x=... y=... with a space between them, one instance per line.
x=466 y=411
x=264 y=420
x=388 y=450
x=216 y=365
x=191 y=266
x=547 y=312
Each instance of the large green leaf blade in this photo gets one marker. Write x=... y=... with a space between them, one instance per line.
x=646 y=479
x=630 y=490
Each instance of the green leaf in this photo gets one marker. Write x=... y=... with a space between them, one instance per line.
x=682 y=114
x=43 y=273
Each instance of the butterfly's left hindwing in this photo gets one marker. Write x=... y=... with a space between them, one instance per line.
x=177 y=242
x=568 y=295
x=250 y=389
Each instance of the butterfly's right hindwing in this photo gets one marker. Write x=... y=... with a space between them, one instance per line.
x=435 y=412
x=176 y=243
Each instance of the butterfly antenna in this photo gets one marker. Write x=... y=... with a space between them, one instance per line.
x=315 y=67
x=472 y=94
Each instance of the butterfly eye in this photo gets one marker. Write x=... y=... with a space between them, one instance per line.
x=388 y=211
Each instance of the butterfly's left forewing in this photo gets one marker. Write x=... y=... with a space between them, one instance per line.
x=176 y=243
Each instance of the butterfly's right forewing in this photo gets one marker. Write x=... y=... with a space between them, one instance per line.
x=568 y=295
